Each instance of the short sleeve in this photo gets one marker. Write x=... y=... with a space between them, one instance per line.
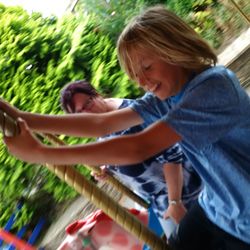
x=207 y=111
x=150 y=108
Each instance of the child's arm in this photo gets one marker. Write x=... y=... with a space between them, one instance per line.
x=174 y=180
x=120 y=150
x=82 y=125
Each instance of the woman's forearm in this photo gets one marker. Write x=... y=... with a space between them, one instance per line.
x=174 y=180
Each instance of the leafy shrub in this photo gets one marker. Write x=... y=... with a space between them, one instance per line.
x=37 y=57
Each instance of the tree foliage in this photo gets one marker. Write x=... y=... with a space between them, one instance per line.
x=37 y=57
x=212 y=19
x=110 y=15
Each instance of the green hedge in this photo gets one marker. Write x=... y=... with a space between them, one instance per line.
x=38 y=56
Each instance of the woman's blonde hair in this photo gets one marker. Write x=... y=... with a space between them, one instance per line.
x=165 y=34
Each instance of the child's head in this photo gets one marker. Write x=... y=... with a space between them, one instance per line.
x=77 y=87
x=164 y=34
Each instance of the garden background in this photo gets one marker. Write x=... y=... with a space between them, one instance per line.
x=39 y=55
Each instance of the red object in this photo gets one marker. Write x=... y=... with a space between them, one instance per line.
x=91 y=220
x=12 y=239
x=99 y=231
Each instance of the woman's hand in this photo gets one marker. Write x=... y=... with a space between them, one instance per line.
x=176 y=212
x=24 y=145
x=102 y=175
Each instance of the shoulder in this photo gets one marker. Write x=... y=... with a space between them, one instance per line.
x=217 y=86
x=216 y=76
x=150 y=108
x=125 y=103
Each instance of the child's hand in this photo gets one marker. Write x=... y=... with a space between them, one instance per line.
x=100 y=176
x=9 y=109
x=24 y=145
x=176 y=212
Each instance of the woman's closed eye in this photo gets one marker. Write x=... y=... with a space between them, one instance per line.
x=88 y=103
x=86 y=106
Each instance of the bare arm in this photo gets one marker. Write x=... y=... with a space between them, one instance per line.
x=88 y=125
x=174 y=180
x=120 y=150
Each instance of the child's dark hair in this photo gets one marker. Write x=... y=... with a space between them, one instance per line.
x=72 y=88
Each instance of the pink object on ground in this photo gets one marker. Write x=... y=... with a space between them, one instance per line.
x=99 y=232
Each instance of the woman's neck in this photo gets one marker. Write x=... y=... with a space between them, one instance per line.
x=113 y=103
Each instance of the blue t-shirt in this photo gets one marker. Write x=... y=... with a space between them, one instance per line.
x=212 y=115
x=147 y=178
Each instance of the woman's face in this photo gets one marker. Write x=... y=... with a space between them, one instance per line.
x=86 y=103
x=156 y=76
